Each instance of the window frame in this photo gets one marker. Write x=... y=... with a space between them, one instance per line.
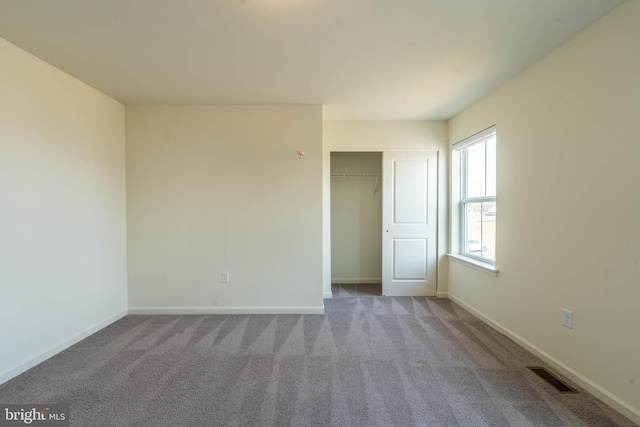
x=462 y=148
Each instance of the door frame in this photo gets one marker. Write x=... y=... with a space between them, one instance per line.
x=442 y=210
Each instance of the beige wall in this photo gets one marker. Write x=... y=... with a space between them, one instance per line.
x=386 y=136
x=62 y=210
x=356 y=219
x=221 y=188
x=569 y=208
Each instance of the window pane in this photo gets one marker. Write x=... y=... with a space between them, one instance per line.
x=491 y=166
x=474 y=228
x=481 y=229
x=488 y=238
x=476 y=170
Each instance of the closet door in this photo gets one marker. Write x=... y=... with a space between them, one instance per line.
x=409 y=221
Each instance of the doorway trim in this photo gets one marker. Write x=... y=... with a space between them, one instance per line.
x=441 y=246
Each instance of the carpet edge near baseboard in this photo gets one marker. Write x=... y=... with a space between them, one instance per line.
x=226 y=310
x=598 y=391
x=59 y=347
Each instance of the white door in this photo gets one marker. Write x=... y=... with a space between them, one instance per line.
x=409 y=221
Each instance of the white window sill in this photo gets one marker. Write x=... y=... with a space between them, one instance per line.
x=476 y=265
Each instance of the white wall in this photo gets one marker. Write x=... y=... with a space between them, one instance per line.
x=62 y=210
x=221 y=188
x=356 y=219
x=569 y=208
x=381 y=136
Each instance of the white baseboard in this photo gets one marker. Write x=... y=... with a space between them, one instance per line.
x=52 y=351
x=327 y=295
x=442 y=294
x=608 y=398
x=367 y=280
x=226 y=310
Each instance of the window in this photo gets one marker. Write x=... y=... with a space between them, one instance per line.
x=478 y=196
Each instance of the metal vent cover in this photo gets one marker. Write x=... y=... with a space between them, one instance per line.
x=552 y=380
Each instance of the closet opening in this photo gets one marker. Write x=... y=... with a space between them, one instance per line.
x=356 y=224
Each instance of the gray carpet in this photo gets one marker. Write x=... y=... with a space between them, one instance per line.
x=370 y=361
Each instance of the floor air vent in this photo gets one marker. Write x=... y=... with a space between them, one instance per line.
x=551 y=379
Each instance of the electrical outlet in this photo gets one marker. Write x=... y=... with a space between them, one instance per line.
x=567 y=318
x=225 y=277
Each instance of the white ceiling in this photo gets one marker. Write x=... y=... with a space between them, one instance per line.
x=362 y=59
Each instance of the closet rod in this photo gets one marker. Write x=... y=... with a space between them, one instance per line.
x=360 y=175
x=363 y=175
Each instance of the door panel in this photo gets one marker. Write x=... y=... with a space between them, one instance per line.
x=410 y=192
x=409 y=220
x=409 y=259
